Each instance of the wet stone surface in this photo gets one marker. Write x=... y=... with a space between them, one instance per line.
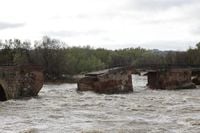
x=60 y=109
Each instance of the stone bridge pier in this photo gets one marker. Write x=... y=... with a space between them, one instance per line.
x=170 y=79
x=109 y=81
x=20 y=81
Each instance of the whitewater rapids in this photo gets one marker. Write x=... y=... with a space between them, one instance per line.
x=60 y=109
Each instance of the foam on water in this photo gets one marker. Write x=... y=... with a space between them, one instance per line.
x=60 y=109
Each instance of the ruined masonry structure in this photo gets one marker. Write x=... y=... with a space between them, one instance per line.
x=20 y=81
x=110 y=81
x=170 y=79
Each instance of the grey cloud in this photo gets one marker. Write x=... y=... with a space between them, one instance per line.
x=196 y=30
x=65 y=33
x=161 y=45
x=176 y=45
x=169 y=45
x=189 y=8
x=6 y=25
x=152 y=5
x=193 y=19
x=148 y=6
x=166 y=20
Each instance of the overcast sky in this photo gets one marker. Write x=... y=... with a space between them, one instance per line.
x=112 y=24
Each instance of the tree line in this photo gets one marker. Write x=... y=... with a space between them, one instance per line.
x=61 y=62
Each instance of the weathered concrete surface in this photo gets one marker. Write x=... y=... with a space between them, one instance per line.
x=20 y=81
x=110 y=81
x=170 y=79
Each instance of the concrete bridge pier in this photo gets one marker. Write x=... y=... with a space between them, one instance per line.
x=170 y=79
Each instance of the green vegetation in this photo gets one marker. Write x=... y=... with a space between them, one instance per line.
x=61 y=62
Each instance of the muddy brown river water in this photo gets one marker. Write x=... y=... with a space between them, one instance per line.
x=60 y=109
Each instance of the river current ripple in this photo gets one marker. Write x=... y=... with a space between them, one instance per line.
x=60 y=109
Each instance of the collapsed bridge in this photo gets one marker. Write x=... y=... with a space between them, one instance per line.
x=118 y=80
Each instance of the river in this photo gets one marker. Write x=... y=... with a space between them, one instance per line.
x=60 y=109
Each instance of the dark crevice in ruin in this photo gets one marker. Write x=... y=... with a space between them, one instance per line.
x=2 y=94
